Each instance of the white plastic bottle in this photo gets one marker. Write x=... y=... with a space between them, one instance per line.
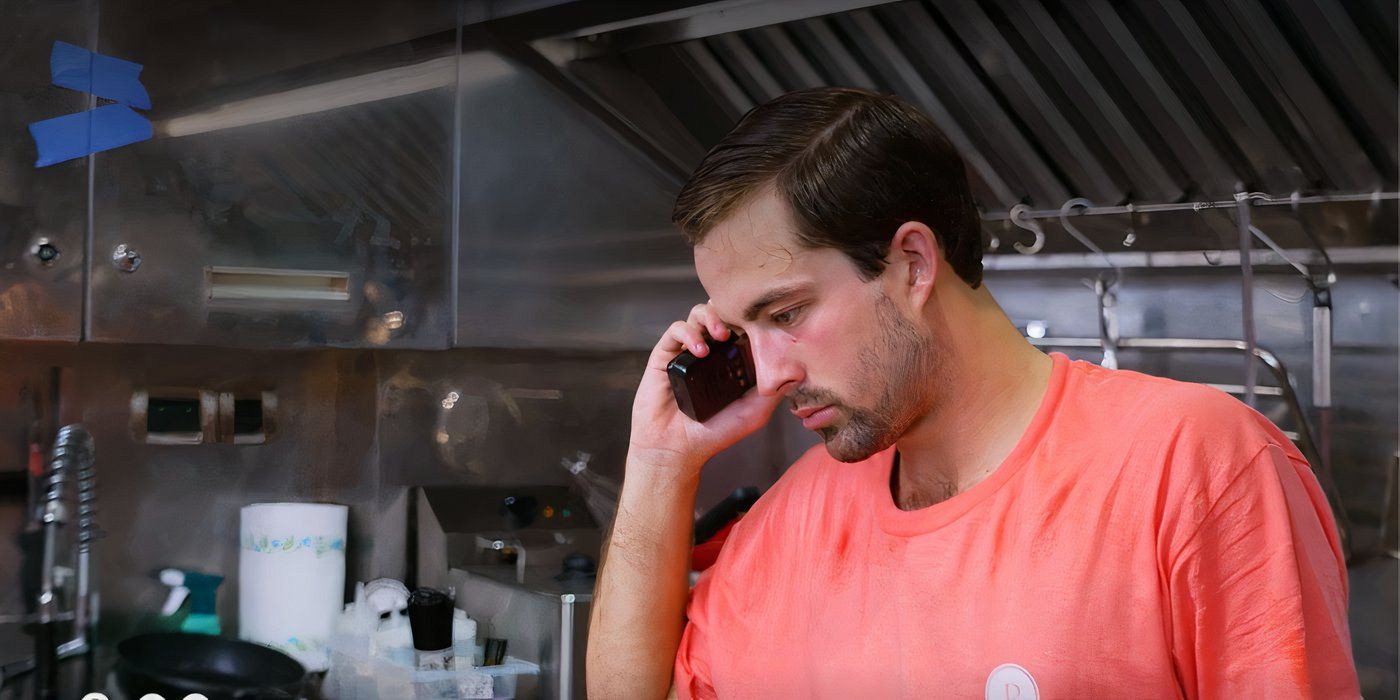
x=463 y=639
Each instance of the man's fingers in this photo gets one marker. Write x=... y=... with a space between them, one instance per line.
x=682 y=335
x=705 y=315
x=689 y=336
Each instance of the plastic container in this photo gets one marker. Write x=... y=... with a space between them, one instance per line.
x=463 y=639
x=355 y=675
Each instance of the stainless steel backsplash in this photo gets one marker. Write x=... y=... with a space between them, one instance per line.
x=359 y=427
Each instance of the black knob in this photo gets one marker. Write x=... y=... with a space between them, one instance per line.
x=46 y=253
x=519 y=511
x=579 y=568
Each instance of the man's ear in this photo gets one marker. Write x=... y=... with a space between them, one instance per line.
x=914 y=253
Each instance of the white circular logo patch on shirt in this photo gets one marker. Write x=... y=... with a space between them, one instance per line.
x=1011 y=682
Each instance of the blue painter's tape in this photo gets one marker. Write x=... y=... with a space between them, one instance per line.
x=76 y=135
x=76 y=68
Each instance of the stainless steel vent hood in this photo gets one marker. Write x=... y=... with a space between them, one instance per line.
x=1117 y=101
x=501 y=173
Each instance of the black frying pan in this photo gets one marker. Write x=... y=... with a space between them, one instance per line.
x=173 y=664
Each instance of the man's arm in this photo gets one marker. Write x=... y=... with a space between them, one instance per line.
x=640 y=596
x=639 y=602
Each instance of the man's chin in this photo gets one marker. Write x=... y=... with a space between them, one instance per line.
x=843 y=451
x=854 y=437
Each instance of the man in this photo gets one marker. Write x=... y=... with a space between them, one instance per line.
x=982 y=520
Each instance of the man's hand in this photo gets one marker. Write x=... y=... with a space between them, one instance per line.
x=639 y=599
x=664 y=437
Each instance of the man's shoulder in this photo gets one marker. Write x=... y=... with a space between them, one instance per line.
x=1133 y=404
x=1195 y=440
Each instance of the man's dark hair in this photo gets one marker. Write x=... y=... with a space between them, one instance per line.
x=852 y=165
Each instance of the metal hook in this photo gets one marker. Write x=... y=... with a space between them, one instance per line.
x=1018 y=216
x=1199 y=208
x=1104 y=285
x=1131 y=237
x=1065 y=209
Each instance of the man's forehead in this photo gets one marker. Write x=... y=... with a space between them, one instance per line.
x=747 y=254
x=757 y=232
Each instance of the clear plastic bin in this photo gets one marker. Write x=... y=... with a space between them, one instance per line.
x=356 y=675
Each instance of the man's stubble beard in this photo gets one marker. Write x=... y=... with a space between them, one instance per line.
x=905 y=365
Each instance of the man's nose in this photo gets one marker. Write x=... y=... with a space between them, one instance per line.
x=777 y=368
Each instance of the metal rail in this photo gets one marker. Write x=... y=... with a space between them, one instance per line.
x=1257 y=199
x=1216 y=259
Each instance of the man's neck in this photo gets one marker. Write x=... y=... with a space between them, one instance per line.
x=993 y=384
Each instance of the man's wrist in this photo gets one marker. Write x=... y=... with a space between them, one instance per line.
x=653 y=482
x=656 y=500
x=653 y=463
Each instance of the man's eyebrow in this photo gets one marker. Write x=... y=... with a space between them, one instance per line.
x=771 y=296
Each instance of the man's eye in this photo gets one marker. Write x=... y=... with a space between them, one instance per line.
x=784 y=318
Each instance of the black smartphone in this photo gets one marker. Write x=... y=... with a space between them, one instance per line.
x=704 y=385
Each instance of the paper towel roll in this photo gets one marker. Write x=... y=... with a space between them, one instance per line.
x=291 y=577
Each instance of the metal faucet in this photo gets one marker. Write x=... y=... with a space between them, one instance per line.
x=72 y=459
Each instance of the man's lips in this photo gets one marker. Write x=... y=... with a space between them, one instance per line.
x=815 y=417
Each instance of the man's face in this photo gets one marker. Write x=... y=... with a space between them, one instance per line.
x=857 y=367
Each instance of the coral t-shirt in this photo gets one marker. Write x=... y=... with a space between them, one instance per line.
x=1146 y=538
